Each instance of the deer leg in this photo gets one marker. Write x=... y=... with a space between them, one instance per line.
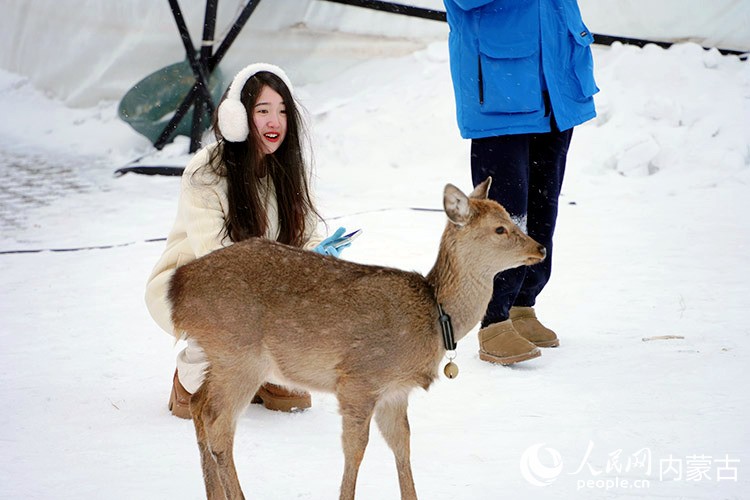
x=214 y=489
x=390 y=415
x=356 y=415
x=224 y=394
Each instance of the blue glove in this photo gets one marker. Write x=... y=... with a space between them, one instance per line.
x=326 y=247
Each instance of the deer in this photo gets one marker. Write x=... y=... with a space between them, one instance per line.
x=262 y=310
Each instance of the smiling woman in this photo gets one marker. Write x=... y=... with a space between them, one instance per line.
x=253 y=182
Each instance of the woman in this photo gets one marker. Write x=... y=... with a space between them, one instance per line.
x=251 y=183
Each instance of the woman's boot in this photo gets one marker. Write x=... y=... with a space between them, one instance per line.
x=179 y=399
x=278 y=398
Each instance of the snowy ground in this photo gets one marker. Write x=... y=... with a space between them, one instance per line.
x=651 y=242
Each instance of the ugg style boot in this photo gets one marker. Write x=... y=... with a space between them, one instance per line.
x=278 y=398
x=179 y=399
x=272 y=396
x=501 y=343
x=525 y=322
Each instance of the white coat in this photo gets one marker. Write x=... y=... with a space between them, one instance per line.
x=198 y=229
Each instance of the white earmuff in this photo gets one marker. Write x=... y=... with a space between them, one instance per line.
x=232 y=116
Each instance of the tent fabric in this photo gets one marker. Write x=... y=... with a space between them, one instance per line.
x=137 y=37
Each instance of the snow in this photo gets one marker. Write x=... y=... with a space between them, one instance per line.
x=651 y=242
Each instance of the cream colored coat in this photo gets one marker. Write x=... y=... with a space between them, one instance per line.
x=198 y=229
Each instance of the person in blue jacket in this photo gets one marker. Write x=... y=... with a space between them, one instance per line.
x=523 y=77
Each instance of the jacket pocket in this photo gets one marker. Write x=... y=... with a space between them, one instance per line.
x=509 y=77
x=581 y=60
x=509 y=57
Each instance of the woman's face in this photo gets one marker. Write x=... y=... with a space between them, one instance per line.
x=269 y=117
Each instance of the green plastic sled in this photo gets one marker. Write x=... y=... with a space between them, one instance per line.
x=151 y=103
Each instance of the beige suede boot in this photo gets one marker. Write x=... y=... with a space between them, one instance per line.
x=525 y=322
x=501 y=343
x=179 y=399
x=278 y=398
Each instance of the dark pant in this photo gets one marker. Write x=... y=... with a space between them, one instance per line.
x=527 y=172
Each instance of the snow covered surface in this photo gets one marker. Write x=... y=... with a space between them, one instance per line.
x=651 y=242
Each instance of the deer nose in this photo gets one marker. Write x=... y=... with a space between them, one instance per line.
x=542 y=251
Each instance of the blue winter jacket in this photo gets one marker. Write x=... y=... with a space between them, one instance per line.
x=512 y=59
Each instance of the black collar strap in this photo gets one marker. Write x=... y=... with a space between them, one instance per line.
x=445 y=324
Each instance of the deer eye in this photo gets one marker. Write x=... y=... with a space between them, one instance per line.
x=500 y=230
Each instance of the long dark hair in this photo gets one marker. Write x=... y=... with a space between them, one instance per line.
x=242 y=163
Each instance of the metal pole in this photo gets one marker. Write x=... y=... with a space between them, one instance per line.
x=233 y=32
x=203 y=104
x=213 y=62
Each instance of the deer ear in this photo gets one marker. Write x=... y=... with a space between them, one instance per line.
x=482 y=191
x=456 y=205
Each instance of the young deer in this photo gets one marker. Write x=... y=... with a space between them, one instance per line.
x=266 y=311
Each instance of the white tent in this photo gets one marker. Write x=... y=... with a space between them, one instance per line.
x=137 y=37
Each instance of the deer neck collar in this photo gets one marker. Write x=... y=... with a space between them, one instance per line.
x=449 y=341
